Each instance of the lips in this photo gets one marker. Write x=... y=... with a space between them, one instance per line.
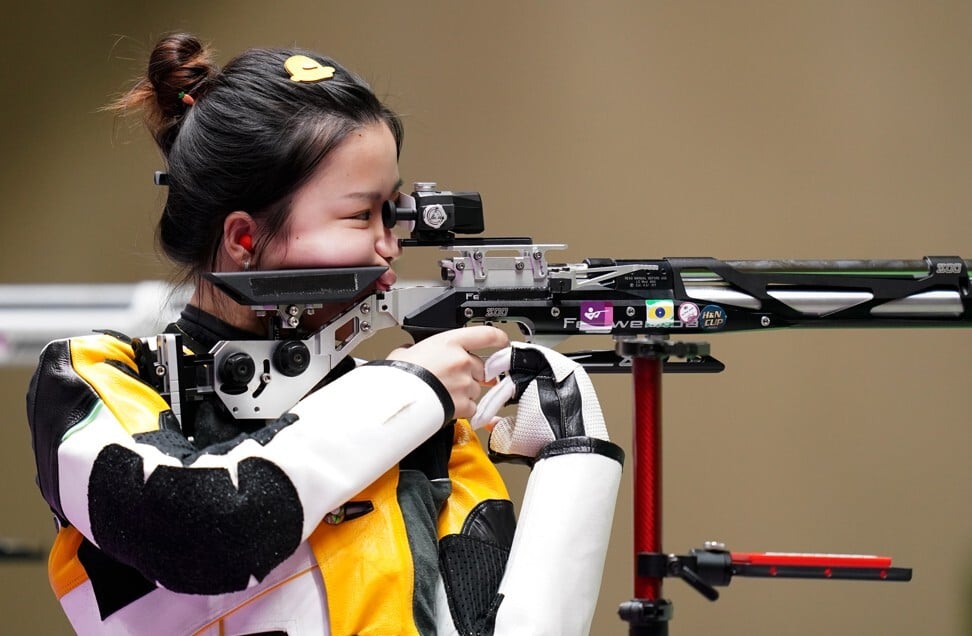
x=386 y=280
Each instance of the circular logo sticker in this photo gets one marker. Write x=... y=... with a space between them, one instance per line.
x=688 y=314
x=713 y=317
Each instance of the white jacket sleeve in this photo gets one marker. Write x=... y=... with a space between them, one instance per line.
x=554 y=571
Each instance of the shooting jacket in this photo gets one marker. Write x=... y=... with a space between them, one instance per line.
x=360 y=511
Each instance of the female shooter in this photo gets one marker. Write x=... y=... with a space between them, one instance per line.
x=366 y=508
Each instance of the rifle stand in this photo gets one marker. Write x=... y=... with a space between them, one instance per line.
x=648 y=613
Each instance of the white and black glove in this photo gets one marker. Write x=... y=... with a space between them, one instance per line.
x=556 y=401
x=553 y=573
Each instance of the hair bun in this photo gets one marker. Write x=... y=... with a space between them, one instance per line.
x=180 y=64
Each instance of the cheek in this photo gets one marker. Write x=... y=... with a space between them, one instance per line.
x=321 y=249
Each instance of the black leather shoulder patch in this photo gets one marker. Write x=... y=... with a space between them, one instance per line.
x=492 y=520
x=57 y=399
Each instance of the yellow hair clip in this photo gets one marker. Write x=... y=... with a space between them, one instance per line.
x=305 y=69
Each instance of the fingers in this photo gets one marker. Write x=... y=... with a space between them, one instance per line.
x=479 y=337
x=478 y=370
x=464 y=408
x=449 y=357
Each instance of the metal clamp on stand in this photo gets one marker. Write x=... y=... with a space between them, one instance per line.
x=714 y=566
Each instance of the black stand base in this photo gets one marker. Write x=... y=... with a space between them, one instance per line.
x=646 y=618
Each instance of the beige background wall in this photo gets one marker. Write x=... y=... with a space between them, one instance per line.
x=631 y=129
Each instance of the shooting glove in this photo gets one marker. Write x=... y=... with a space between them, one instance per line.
x=555 y=399
x=553 y=573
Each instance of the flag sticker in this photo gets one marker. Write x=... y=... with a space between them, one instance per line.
x=596 y=315
x=661 y=313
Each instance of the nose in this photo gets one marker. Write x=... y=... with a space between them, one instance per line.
x=386 y=243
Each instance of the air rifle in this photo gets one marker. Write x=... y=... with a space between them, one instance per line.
x=510 y=280
x=646 y=305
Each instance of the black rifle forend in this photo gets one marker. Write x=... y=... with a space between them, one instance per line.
x=680 y=296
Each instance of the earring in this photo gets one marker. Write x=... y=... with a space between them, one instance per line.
x=246 y=264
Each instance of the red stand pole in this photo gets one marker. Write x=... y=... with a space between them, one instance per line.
x=647 y=614
x=647 y=373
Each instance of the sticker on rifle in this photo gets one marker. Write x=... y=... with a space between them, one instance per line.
x=661 y=313
x=596 y=315
x=688 y=314
x=713 y=317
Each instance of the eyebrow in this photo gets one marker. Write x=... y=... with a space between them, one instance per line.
x=374 y=195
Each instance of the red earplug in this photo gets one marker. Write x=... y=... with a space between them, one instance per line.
x=246 y=242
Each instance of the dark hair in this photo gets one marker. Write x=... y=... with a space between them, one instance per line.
x=250 y=137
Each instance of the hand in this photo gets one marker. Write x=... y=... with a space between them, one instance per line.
x=555 y=396
x=447 y=356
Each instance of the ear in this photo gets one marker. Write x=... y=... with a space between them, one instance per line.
x=236 y=226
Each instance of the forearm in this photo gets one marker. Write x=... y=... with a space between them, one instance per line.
x=553 y=575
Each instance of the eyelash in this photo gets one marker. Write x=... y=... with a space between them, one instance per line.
x=365 y=215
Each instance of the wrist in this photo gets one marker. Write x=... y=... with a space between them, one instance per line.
x=588 y=445
x=448 y=406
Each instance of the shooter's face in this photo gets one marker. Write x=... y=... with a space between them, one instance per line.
x=335 y=218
